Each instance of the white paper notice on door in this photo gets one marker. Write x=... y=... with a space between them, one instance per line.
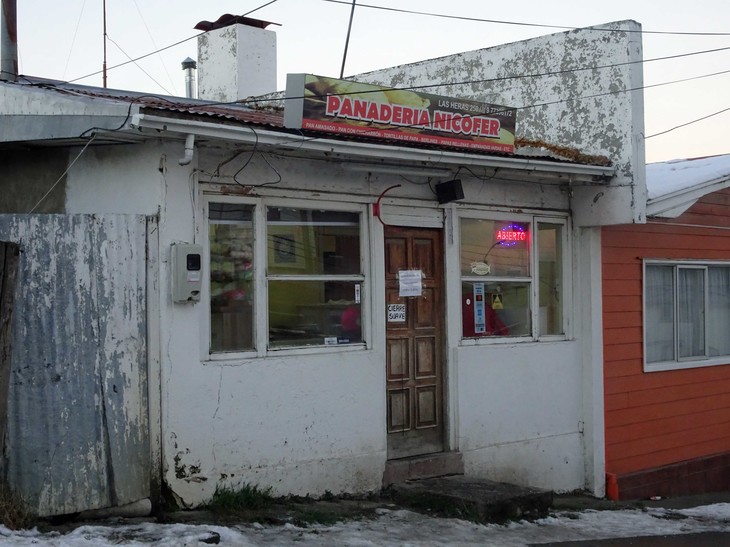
x=409 y=283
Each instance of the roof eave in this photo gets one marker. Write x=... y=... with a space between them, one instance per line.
x=672 y=205
x=369 y=153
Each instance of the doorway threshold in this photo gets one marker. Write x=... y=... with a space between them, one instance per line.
x=426 y=466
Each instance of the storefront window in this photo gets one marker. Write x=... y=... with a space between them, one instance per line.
x=496 y=283
x=504 y=278
x=315 y=279
x=230 y=233
x=549 y=249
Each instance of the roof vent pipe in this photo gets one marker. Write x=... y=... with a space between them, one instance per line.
x=8 y=41
x=189 y=66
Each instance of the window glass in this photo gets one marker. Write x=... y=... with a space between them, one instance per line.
x=496 y=288
x=314 y=277
x=550 y=252
x=659 y=313
x=304 y=313
x=311 y=242
x=495 y=309
x=691 y=312
x=495 y=248
x=230 y=232
x=718 y=311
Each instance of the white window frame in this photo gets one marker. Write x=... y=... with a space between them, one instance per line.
x=566 y=282
x=261 y=279
x=679 y=363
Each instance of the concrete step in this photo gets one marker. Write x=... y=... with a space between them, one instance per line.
x=479 y=500
x=423 y=467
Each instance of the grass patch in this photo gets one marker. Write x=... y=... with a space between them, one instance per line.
x=14 y=511
x=244 y=498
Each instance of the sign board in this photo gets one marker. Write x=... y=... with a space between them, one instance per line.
x=396 y=313
x=352 y=108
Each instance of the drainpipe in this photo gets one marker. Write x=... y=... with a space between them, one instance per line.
x=189 y=149
x=8 y=41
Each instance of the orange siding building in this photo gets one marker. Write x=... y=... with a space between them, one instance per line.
x=667 y=432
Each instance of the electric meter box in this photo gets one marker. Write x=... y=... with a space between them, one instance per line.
x=187 y=272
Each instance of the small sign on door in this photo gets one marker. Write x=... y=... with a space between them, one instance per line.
x=409 y=282
x=396 y=313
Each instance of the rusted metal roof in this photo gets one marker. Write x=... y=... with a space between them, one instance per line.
x=226 y=20
x=250 y=111
x=231 y=111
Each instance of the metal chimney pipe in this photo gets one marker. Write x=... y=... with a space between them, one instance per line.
x=8 y=41
x=189 y=66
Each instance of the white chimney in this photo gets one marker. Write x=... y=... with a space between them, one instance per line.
x=236 y=62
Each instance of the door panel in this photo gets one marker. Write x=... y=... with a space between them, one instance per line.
x=415 y=344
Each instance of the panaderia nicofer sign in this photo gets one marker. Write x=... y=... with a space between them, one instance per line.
x=352 y=108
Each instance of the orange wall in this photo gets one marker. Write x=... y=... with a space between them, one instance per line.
x=658 y=418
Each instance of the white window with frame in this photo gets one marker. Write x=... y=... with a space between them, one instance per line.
x=512 y=276
x=309 y=274
x=686 y=314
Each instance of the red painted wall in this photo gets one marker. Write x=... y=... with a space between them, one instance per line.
x=659 y=418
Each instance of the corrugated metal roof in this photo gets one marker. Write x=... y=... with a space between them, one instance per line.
x=243 y=112
x=231 y=111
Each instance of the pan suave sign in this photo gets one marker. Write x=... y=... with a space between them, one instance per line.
x=339 y=106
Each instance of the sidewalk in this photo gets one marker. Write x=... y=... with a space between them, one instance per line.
x=582 y=501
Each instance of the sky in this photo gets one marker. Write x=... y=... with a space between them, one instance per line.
x=64 y=40
x=398 y=528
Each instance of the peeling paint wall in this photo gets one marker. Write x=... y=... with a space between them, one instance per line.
x=598 y=111
x=28 y=175
x=78 y=428
x=236 y=62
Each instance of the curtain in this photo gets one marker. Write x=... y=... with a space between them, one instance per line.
x=659 y=313
x=691 y=312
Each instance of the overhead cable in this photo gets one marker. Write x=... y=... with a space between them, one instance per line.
x=523 y=24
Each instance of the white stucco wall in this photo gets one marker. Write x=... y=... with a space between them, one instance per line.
x=561 y=100
x=311 y=422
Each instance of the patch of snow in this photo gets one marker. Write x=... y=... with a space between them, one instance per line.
x=396 y=528
x=667 y=177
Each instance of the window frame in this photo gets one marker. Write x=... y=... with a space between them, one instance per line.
x=680 y=363
x=533 y=219
x=261 y=279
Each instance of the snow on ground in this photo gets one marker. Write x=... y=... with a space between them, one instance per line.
x=395 y=528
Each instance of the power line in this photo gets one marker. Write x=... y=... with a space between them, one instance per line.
x=152 y=39
x=73 y=40
x=135 y=59
x=139 y=67
x=523 y=24
x=260 y=7
x=156 y=51
x=688 y=123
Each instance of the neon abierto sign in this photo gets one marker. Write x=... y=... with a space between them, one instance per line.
x=511 y=235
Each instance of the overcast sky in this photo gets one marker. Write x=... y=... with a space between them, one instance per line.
x=64 y=40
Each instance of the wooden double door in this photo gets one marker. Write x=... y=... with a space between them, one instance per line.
x=414 y=341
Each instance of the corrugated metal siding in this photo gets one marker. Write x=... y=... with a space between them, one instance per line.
x=659 y=418
x=78 y=435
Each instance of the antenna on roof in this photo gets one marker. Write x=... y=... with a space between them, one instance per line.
x=103 y=67
x=347 y=40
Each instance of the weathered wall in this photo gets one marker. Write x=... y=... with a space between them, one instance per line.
x=77 y=428
x=28 y=175
x=311 y=422
x=561 y=101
